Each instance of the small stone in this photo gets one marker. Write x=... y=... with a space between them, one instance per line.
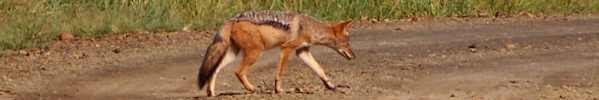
x=123 y=37
x=409 y=19
x=513 y=81
x=483 y=14
x=500 y=14
x=509 y=45
x=526 y=14
x=364 y=18
x=65 y=36
x=187 y=28
x=386 y=20
x=299 y=90
x=116 y=51
x=399 y=29
x=23 y=52
x=79 y=56
x=562 y=97
x=374 y=20
x=472 y=48
x=452 y=95
x=414 y=19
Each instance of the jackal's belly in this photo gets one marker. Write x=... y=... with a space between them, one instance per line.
x=273 y=37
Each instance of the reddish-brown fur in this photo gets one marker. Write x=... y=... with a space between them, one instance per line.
x=251 y=39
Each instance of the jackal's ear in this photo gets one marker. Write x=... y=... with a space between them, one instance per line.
x=340 y=27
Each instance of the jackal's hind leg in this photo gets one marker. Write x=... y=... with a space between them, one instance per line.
x=248 y=60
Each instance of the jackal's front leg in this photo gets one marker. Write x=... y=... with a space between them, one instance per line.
x=280 y=67
x=306 y=56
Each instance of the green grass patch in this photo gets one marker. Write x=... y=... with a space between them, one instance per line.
x=33 y=23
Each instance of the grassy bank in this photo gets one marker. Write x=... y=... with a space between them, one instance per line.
x=33 y=23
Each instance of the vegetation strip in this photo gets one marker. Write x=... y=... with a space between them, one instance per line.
x=33 y=23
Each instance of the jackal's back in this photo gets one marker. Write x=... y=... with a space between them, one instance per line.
x=278 y=19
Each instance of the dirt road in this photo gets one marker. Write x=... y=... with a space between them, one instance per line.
x=480 y=59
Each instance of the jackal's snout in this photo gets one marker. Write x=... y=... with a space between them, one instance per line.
x=347 y=53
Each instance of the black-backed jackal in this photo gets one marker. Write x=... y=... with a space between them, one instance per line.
x=252 y=32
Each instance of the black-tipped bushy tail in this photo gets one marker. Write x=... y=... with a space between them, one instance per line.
x=214 y=55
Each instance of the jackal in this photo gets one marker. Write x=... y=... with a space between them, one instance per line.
x=252 y=32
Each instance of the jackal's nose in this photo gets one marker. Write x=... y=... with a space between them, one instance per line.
x=350 y=55
x=347 y=53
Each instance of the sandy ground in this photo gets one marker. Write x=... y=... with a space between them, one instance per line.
x=432 y=59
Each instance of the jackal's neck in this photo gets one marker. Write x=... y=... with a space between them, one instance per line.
x=319 y=32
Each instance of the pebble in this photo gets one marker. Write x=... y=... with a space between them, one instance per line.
x=116 y=51
x=510 y=46
x=65 y=36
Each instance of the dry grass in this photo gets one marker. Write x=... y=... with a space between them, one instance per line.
x=32 y=23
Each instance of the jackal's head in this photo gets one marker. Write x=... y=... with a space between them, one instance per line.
x=339 y=39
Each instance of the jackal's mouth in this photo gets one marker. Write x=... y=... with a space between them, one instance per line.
x=347 y=53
